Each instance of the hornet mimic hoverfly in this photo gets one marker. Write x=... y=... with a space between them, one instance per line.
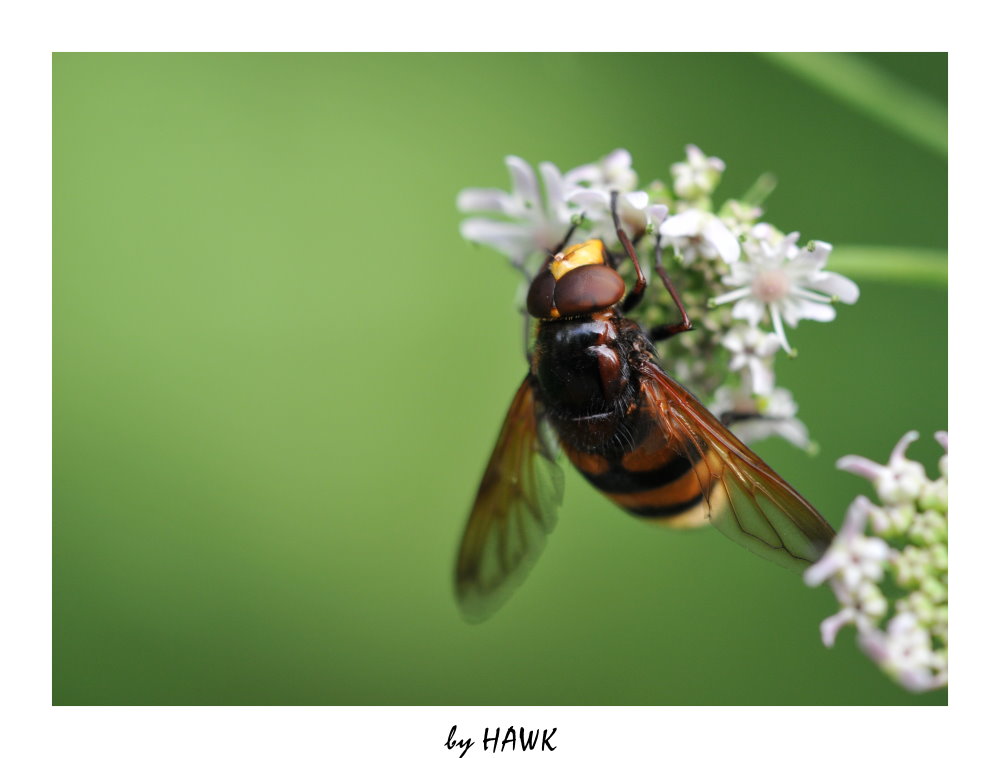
x=633 y=432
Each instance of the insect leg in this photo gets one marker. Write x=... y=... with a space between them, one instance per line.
x=565 y=240
x=615 y=260
x=635 y=296
x=665 y=331
x=549 y=253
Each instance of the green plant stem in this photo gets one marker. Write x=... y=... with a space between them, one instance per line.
x=887 y=99
x=891 y=264
x=761 y=189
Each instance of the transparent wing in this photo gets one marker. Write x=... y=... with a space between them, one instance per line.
x=514 y=510
x=747 y=501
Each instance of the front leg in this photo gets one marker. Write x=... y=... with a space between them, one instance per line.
x=609 y=367
x=666 y=331
x=635 y=296
x=609 y=364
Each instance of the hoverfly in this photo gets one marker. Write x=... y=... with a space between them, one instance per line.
x=595 y=389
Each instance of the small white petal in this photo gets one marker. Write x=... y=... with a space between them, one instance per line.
x=863 y=467
x=657 y=214
x=764 y=232
x=686 y=224
x=637 y=200
x=589 y=198
x=736 y=294
x=857 y=515
x=835 y=284
x=779 y=327
x=734 y=340
x=788 y=247
x=828 y=628
x=722 y=240
x=942 y=439
x=899 y=451
x=589 y=173
x=489 y=200
x=917 y=680
x=613 y=171
x=618 y=160
x=556 y=203
x=822 y=569
x=514 y=240
x=740 y=273
x=797 y=291
x=523 y=179
x=750 y=310
x=770 y=344
x=794 y=431
x=780 y=403
x=805 y=309
x=817 y=257
x=761 y=378
x=694 y=154
x=874 y=642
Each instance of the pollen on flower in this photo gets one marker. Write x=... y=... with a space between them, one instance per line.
x=770 y=286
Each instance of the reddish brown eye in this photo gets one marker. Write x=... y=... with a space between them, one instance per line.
x=587 y=289
x=540 y=295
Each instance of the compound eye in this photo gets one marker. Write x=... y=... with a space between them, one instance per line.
x=587 y=289
x=540 y=295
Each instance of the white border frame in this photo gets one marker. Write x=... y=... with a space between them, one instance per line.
x=39 y=729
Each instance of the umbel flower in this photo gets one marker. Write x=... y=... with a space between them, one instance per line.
x=787 y=283
x=697 y=234
x=532 y=223
x=637 y=213
x=743 y=282
x=752 y=350
x=697 y=176
x=759 y=415
x=906 y=555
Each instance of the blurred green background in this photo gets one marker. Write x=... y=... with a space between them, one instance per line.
x=278 y=372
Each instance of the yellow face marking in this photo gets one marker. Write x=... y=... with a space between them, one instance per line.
x=584 y=254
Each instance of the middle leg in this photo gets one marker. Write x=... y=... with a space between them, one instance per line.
x=635 y=296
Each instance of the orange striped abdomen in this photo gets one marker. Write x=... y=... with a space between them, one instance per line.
x=654 y=479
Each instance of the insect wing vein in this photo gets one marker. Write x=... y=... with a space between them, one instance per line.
x=748 y=501
x=514 y=509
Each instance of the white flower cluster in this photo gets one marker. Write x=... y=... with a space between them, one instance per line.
x=742 y=280
x=909 y=550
